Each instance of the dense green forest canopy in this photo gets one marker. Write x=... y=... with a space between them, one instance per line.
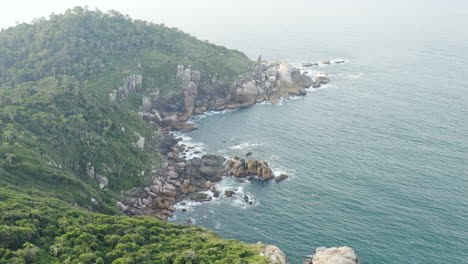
x=61 y=138
x=43 y=230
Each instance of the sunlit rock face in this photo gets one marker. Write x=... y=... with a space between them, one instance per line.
x=334 y=255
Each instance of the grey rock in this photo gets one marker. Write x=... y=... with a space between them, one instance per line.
x=171 y=121
x=146 y=103
x=190 y=95
x=322 y=80
x=199 y=197
x=103 y=181
x=140 y=144
x=173 y=175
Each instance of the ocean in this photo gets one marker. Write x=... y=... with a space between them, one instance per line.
x=377 y=158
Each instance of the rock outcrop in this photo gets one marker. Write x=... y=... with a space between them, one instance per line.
x=129 y=85
x=275 y=254
x=334 y=255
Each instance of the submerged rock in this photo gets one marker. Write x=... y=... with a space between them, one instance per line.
x=322 y=80
x=308 y=64
x=282 y=177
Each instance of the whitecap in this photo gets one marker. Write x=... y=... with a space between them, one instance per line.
x=245 y=146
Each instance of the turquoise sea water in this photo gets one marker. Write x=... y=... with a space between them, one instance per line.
x=378 y=159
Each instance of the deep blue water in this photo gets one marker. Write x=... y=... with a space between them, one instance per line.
x=378 y=158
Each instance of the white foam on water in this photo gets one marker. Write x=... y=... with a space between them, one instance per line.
x=278 y=171
x=264 y=103
x=245 y=146
x=295 y=97
x=192 y=149
x=237 y=200
x=199 y=117
x=226 y=184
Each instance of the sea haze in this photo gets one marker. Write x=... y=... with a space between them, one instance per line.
x=377 y=158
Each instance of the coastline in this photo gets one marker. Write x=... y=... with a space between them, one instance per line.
x=188 y=175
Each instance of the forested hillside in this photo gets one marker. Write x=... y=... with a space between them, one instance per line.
x=65 y=146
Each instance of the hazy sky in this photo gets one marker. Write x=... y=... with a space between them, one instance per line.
x=190 y=14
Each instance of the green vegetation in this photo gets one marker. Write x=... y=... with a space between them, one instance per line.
x=61 y=138
x=45 y=230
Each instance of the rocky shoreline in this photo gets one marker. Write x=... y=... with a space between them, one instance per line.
x=190 y=179
x=182 y=179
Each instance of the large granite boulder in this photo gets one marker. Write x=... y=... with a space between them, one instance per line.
x=246 y=93
x=292 y=81
x=334 y=255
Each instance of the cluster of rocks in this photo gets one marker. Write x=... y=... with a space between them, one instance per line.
x=334 y=255
x=178 y=180
x=194 y=179
x=251 y=168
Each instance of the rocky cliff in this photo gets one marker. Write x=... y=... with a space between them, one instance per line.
x=266 y=81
